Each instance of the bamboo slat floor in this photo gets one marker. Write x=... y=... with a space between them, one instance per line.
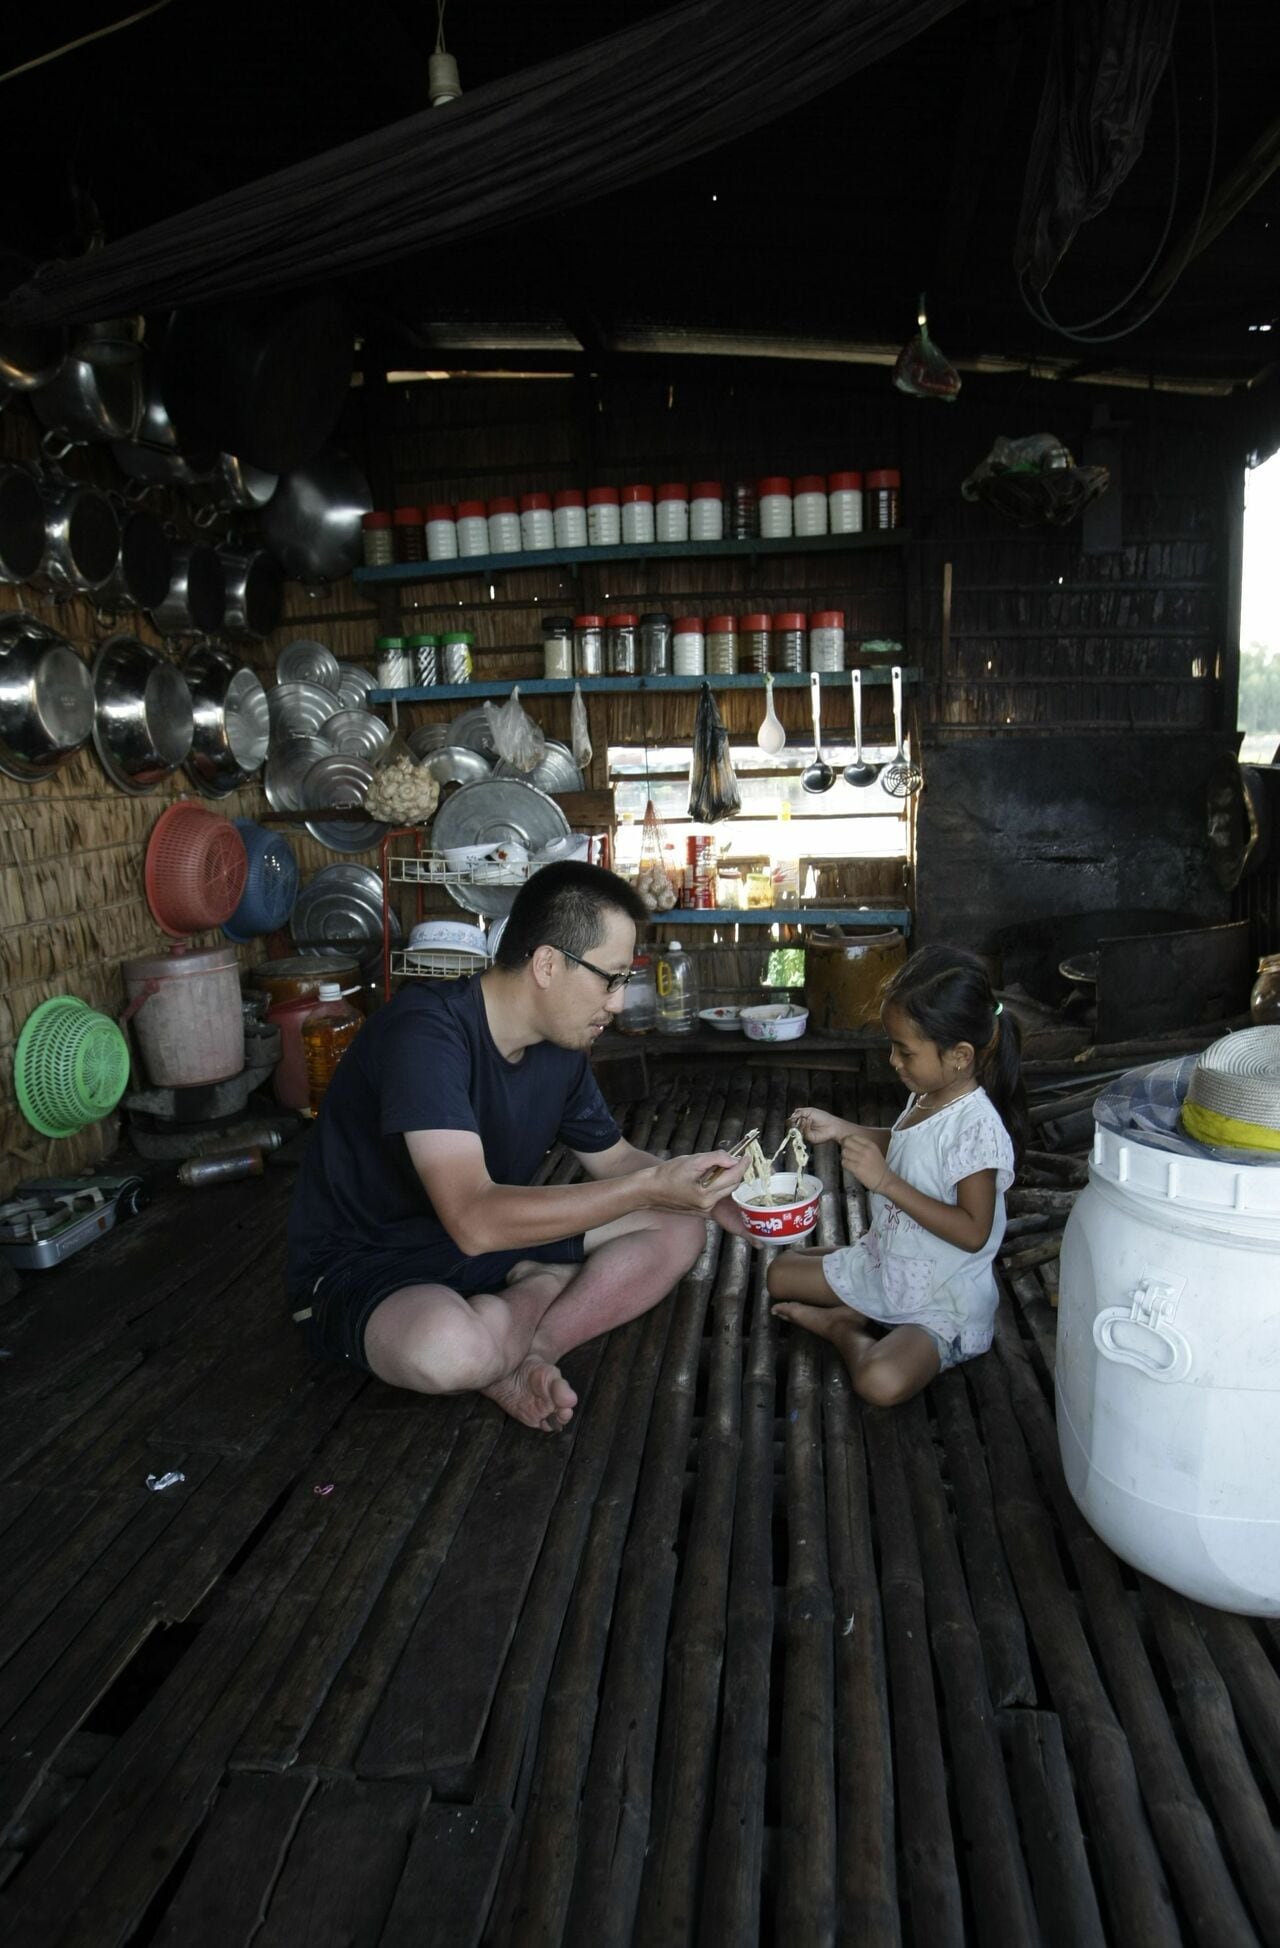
x=735 y=1660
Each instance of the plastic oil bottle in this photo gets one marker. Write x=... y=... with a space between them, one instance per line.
x=327 y=1033
x=677 y=984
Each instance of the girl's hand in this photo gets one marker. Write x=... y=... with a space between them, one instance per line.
x=864 y=1160
x=818 y=1125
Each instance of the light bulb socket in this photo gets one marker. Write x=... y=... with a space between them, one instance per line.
x=442 y=79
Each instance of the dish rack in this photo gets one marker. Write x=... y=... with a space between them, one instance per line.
x=433 y=869
x=434 y=963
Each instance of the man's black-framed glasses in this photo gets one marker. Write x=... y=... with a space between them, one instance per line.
x=612 y=982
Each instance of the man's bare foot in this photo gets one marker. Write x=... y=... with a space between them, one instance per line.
x=842 y=1327
x=536 y=1394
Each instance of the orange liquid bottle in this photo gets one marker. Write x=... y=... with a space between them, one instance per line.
x=327 y=1033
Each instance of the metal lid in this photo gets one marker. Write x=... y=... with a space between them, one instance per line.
x=180 y=960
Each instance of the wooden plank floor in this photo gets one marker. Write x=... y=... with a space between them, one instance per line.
x=735 y=1660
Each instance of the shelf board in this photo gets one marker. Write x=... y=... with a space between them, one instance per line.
x=401 y=574
x=604 y=686
x=765 y=916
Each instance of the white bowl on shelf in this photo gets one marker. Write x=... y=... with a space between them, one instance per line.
x=450 y=936
x=468 y=855
x=776 y=1022
x=727 y=1019
x=574 y=845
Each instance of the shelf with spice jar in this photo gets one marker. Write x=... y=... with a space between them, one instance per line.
x=622 y=685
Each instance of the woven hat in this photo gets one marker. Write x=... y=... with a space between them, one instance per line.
x=1234 y=1094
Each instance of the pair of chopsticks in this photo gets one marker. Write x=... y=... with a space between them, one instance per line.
x=735 y=1150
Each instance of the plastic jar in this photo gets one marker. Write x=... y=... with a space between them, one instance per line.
x=672 y=518
x=637 y=514
x=327 y=1033
x=395 y=672
x=569 y=518
x=677 y=984
x=537 y=524
x=639 y=1012
x=883 y=492
x=775 y=507
x=409 y=528
x=655 y=643
x=744 y=511
x=588 y=645
x=424 y=659
x=722 y=646
x=557 y=646
x=620 y=644
x=706 y=511
x=376 y=541
x=504 y=526
x=790 y=647
x=455 y=656
x=473 y=528
x=809 y=504
x=604 y=518
x=442 y=533
x=688 y=647
x=844 y=503
x=755 y=643
x=1264 y=1002
x=826 y=639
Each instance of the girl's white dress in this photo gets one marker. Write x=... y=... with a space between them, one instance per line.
x=902 y=1275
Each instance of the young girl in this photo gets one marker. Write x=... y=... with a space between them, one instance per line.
x=937 y=1181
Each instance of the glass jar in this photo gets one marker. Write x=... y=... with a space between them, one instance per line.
x=722 y=646
x=688 y=647
x=569 y=517
x=844 y=503
x=790 y=645
x=376 y=542
x=557 y=646
x=637 y=515
x=744 y=511
x=620 y=644
x=473 y=528
x=706 y=511
x=604 y=520
x=455 y=656
x=424 y=659
x=442 y=533
x=395 y=672
x=409 y=527
x=883 y=491
x=639 y=1012
x=775 y=508
x=504 y=526
x=537 y=525
x=826 y=639
x=655 y=644
x=1264 y=1002
x=755 y=643
x=759 y=887
x=588 y=646
x=672 y=518
x=809 y=504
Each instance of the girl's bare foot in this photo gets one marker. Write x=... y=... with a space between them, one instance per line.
x=837 y=1323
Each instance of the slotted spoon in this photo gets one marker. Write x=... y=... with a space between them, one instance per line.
x=902 y=777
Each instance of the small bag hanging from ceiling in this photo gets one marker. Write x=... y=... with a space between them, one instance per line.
x=713 y=783
x=579 y=731
x=518 y=741
x=653 y=882
x=922 y=369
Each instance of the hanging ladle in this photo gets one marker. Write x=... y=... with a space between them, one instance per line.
x=818 y=776
x=859 y=772
x=771 y=736
x=903 y=775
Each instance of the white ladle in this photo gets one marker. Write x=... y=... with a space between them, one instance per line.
x=771 y=736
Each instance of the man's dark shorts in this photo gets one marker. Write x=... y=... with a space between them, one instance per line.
x=333 y=1315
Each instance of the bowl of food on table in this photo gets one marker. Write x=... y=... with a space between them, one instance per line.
x=775 y=1022
x=728 y=1019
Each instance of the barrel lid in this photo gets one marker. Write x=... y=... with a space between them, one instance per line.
x=1193 y=1183
x=305 y=967
x=180 y=960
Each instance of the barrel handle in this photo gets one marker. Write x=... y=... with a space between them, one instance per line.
x=144 y=994
x=1146 y=1319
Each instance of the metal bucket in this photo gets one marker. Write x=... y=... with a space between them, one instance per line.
x=185 y=1009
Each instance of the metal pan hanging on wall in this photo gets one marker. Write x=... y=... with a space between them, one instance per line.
x=340 y=783
x=288 y=764
x=308 y=662
x=254 y=593
x=299 y=709
x=196 y=602
x=354 y=685
x=496 y=811
x=22 y=514
x=232 y=730
x=355 y=734
x=46 y=699
x=341 y=906
x=143 y=721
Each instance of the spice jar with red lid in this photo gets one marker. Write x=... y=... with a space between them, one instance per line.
x=604 y=518
x=809 y=504
x=672 y=519
x=409 y=526
x=442 y=532
x=569 y=517
x=637 y=514
x=504 y=526
x=826 y=639
x=706 y=511
x=844 y=503
x=722 y=646
x=755 y=634
x=790 y=642
x=621 y=632
x=473 y=528
x=376 y=540
x=588 y=645
x=775 y=507
x=537 y=525
x=884 y=487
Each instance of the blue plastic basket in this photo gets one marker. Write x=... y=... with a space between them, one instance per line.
x=272 y=886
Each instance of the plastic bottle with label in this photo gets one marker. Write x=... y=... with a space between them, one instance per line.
x=677 y=985
x=327 y=1033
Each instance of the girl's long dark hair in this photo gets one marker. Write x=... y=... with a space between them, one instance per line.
x=946 y=992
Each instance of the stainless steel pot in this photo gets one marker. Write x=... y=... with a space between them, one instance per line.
x=88 y=403
x=143 y=718
x=21 y=524
x=254 y=593
x=151 y=457
x=312 y=522
x=232 y=729
x=196 y=602
x=141 y=576
x=46 y=699
x=82 y=539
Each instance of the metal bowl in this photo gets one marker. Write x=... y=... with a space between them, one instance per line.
x=144 y=721
x=454 y=764
x=46 y=699
x=232 y=729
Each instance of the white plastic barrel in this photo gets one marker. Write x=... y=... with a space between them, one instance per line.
x=1168 y=1368
x=185 y=1010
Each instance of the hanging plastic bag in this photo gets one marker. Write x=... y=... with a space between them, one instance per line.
x=923 y=369
x=579 y=732
x=518 y=741
x=713 y=783
x=654 y=882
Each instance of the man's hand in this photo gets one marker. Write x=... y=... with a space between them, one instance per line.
x=676 y=1185
x=864 y=1160
x=818 y=1125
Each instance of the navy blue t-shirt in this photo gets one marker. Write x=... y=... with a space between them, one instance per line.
x=427 y=1061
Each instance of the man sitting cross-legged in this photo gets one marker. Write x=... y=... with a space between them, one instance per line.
x=418 y=1248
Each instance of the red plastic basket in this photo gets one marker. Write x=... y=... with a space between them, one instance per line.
x=196 y=871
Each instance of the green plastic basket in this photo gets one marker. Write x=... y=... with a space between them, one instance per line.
x=71 y=1068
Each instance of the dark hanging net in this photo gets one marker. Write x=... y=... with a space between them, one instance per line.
x=569 y=130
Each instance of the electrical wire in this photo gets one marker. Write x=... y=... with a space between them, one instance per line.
x=98 y=34
x=440 y=7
